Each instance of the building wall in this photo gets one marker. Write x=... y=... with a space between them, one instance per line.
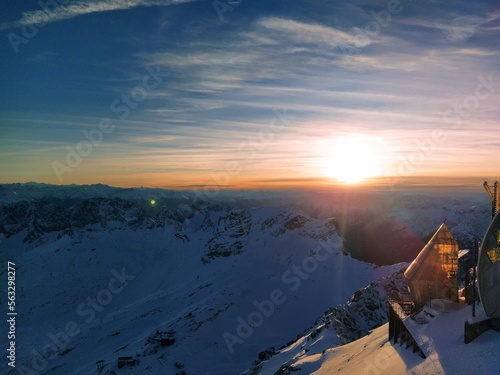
x=488 y=272
x=433 y=274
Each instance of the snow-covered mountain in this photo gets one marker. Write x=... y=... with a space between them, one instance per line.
x=441 y=338
x=365 y=310
x=196 y=286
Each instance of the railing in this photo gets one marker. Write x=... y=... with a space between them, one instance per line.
x=397 y=328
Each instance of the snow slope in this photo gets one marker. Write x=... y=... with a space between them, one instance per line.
x=114 y=285
x=365 y=310
x=445 y=350
x=102 y=273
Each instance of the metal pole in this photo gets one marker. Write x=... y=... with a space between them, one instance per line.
x=474 y=278
x=495 y=202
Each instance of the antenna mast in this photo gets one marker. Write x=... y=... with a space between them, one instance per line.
x=494 y=195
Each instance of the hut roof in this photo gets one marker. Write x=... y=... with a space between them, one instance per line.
x=442 y=236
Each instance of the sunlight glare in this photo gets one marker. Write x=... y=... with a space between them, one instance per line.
x=352 y=159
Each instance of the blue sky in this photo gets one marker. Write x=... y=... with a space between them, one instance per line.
x=249 y=93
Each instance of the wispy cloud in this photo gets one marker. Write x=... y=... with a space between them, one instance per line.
x=64 y=12
x=462 y=28
x=226 y=80
x=476 y=52
x=42 y=56
x=458 y=29
x=312 y=33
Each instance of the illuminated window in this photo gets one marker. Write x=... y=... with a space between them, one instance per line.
x=494 y=252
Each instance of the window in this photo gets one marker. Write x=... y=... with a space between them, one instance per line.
x=494 y=251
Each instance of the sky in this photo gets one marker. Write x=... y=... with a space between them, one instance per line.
x=249 y=94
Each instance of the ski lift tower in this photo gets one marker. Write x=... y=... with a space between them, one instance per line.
x=494 y=195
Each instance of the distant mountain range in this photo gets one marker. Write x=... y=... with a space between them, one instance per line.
x=188 y=284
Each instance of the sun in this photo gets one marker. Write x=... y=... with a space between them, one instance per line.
x=352 y=159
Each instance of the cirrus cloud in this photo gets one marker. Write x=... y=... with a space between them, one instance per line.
x=64 y=12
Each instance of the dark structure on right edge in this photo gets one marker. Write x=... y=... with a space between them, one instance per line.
x=488 y=269
x=488 y=272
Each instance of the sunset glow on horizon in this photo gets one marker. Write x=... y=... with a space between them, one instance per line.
x=354 y=158
x=267 y=95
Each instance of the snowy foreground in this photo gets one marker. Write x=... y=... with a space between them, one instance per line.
x=239 y=285
x=441 y=339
